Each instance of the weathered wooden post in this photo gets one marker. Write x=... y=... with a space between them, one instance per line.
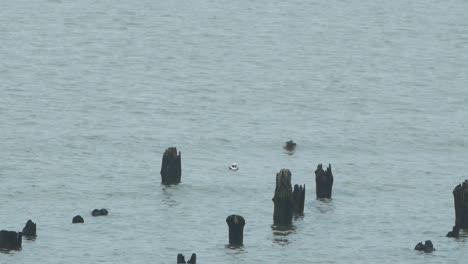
x=283 y=199
x=460 y=196
x=29 y=229
x=236 y=225
x=171 y=170
x=180 y=259
x=193 y=259
x=323 y=182
x=298 y=198
x=10 y=240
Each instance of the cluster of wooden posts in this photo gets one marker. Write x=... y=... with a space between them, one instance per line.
x=287 y=202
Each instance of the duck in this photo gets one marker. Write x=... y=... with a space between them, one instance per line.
x=290 y=145
x=233 y=167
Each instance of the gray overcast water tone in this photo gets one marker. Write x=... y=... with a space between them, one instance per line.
x=93 y=92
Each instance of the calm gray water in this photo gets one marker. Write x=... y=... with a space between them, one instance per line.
x=92 y=92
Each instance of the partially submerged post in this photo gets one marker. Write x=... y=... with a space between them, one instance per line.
x=171 y=170
x=77 y=220
x=29 y=229
x=193 y=259
x=298 y=198
x=283 y=199
x=181 y=259
x=97 y=212
x=10 y=240
x=236 y=225
x=323 y=182
x=460 y=196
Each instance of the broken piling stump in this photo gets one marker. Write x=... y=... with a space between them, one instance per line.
x=427 y=247
x=236 y=225
x=10 y=240
x=97 y=212
x=283 y=199
x=323 y=182
x=29 y=229
x=171 y=170
x=298 y=199
x=180 y=259
x=460 y=196
x=77 y=219
x=193 y=259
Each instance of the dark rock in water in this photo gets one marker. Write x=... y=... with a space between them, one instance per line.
x=428 y=247
x=29 y=229
x=290 y=145
x=454 y=233
x=180 y=259
x=323 y=182
x=193 y=259
x=77 y=219
x=236 y=225
x=10 y=240
x=460 y=196
x=97 y=212
x=171 y=168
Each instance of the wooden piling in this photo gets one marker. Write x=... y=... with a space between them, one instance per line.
x=298 y=199
x=171 y=169
x=283 y=199
x=180 y=259
x=29 y=229
x=10 y=240
x=323 y=182
x=193 y=259
x=460 y=196
x=236 y=225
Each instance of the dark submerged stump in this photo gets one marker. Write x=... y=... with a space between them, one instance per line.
x=104 y=211
x=283 y=199
x=97 y=212
x=180 y=259
x=236 y=225
x=460 y=196
x=323 y=182
x=29 y=229
x=171 y=170
x=193 y=259
x=10 y=240
x=298 y=199
x=77 y=219
x=427 y=247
